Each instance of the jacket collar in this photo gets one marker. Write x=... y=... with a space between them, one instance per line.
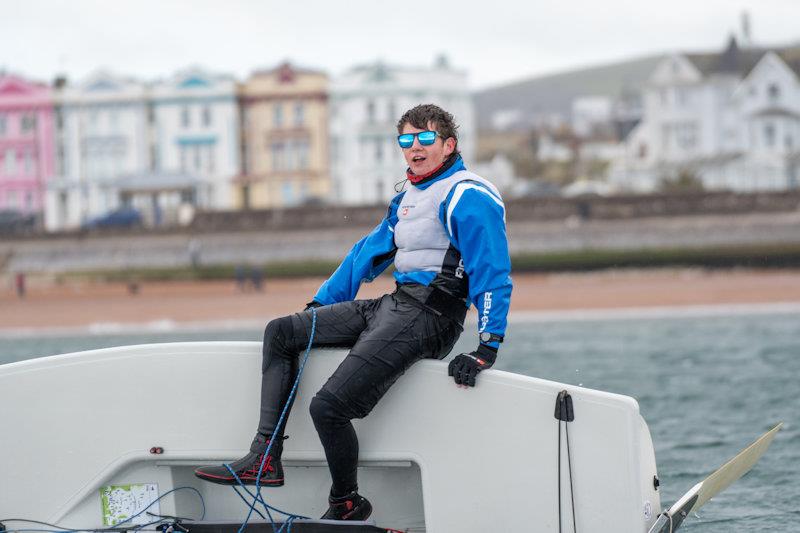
x=451 y=165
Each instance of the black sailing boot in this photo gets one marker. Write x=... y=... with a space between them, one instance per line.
x=350 y=507
x=247 y=467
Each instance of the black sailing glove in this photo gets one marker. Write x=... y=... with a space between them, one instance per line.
x=311 y=305
x=465 y=367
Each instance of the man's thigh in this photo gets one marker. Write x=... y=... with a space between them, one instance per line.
x=337 y=326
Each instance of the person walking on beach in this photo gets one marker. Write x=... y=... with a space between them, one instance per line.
x=19 y=283
x=447 y=238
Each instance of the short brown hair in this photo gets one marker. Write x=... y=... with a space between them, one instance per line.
x=421 y=115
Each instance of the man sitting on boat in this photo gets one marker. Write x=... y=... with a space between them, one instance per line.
x=446 y=236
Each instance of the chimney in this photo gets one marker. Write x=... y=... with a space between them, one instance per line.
x=747 y=40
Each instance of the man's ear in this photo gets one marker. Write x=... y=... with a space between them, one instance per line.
x=449 y=146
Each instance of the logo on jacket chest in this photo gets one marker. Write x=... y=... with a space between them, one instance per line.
x=405 y=209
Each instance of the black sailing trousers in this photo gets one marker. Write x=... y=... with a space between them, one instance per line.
x=385 y=336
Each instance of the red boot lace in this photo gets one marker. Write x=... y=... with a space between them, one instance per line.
x=252 y=472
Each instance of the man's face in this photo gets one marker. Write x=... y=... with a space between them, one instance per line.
x=424 y=159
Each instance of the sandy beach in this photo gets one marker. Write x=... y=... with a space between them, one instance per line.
x=93 y=305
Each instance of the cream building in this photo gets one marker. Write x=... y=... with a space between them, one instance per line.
x=285 y=134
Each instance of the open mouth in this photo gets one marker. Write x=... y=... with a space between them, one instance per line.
x=418 y=159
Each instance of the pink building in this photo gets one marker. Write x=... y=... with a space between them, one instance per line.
x=27 y=153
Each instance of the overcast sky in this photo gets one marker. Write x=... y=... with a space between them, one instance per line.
x=496 y=41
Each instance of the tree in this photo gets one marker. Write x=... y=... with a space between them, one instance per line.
x=686 y=180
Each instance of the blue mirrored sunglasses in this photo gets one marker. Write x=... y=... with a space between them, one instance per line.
x=426 y=138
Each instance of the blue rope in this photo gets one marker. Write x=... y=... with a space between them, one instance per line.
x=236 y=490
x=257 y=497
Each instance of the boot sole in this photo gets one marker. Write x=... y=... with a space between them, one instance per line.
x=354 y=515
x=227 y=480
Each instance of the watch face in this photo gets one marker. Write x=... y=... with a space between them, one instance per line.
x=486 y=337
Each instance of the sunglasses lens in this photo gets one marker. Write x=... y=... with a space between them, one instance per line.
x=426 y=138
x=405 y=140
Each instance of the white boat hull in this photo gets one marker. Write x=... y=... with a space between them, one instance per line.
x=433 y=455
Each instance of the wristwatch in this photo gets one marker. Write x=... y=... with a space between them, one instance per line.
x=490 y=337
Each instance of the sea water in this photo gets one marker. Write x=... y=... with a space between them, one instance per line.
x=706 y=385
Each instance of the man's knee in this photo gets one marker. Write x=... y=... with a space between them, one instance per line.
x=278 y=329
x=325 y=412
x=276 y=339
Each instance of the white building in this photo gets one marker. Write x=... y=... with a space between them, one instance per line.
x=161 y=148
x=500 y=171
x=196 y=134
x=769 y=102
x=366 y=103
x=730 y=119
x=591 y=113
x=101 y=134
x=549 y=148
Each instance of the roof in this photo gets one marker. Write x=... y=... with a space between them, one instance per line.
x=737 y=60
x=554 y=93
x=287 y=69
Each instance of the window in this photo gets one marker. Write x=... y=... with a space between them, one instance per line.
x=11 y=200
x=61 y=160
x=379 y=150
x=206 y=116
x=28 y=159
x=370 y=111
x=681 y=135
x=63 y=206
x=196 y=159
x=212 y=164
x=2 y=125
x=682 y=96
x=666 y=132
x=288 y=194
x=277 y=115
x=183 y=158
x=278 y=152
x=391 y=109
x=10 y=162
x=769 y=135
x=186 y=118
x=774 y=92
x=154 y=163
x=686 y=135
x=301 y=155
x=299 y=114
x=334 y=150
x=28 y=123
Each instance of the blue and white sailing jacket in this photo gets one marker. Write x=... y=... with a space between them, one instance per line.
x=449 y=233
